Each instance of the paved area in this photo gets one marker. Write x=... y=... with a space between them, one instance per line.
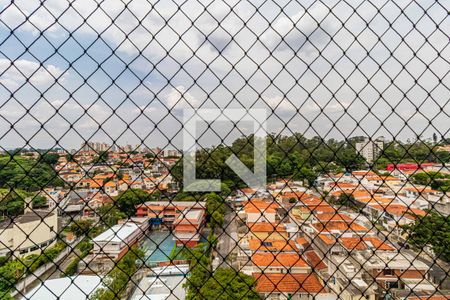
x=228 y=240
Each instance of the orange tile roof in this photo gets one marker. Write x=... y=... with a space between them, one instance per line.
x=358 y=243
x=363 y=173
x=338 y=225
x=110 y=183
x=430 y=297
x=297 y=195
x=286 y=260
x=325 y=208
x=400 y=210
x=420 y=189
x=315 y=261
x=390 y=178
x=327 y=239
x=248 y=191
x=332 y=217
x=379 y=244
x=361 y=194
x=345 y=185
x=266 y=227
x=288 y=283
x=302 y=241
x=272 y=245
x=259 y=205
x=352 y=243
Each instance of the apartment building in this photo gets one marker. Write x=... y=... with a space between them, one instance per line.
x=369 y=149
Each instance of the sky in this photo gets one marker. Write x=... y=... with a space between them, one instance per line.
x=124 y=71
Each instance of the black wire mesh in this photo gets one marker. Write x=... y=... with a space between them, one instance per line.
x=93 y=96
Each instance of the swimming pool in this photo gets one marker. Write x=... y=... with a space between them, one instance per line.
x=158 y=246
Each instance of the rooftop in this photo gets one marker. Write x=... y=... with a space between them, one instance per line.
x=117 y=233
x=288 y=283
x=286 y=260
x=67 y=288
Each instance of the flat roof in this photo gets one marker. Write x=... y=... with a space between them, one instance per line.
x=67 y=288
x=117 y=233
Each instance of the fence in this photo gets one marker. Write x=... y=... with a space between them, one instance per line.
x=236 y=149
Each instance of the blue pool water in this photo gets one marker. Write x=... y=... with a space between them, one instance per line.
x=158 y=246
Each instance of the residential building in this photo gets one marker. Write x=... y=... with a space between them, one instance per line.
x=369 y=149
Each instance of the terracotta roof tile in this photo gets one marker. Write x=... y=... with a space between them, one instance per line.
x=287 y=260
x=288 y=283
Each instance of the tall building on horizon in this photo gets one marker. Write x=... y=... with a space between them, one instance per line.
x=369 y=149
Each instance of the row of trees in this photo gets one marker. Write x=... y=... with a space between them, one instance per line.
x=27 y=174
x=305 y=158
x=437 y=180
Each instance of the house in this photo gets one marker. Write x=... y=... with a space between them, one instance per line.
x=395 y=270
x=68 y=288
x=110 y=188
x=283 y=263
x=265 y=230
x=288 y=286
x=257 y=210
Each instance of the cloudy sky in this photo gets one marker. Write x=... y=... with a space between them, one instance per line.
x=125 y=70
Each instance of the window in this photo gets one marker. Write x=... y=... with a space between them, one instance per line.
x=388 y=272
x=267 y=244
x=391 y=284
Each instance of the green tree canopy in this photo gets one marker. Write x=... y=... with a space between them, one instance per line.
x=126 y=201
x=226 y=284
x=433 y=230
x=26 y=174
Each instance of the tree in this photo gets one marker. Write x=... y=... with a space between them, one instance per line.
x=39 y=202
x=50 y=158
x=217 y=219
x=431 y=230
x=81 y=227
x=12 y=202
x=226 y=284
x=118 y=278
x=110 y=215
x=347 y=200
x=215 y=209
x=127 y=200
x=26 y=174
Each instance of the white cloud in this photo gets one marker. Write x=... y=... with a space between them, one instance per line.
x=245 y=69
x=16 y=73
x=180 y=98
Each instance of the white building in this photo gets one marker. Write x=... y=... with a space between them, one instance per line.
x=117 y=240
x=29 y=233
x=369 y=149
x=67 y=288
